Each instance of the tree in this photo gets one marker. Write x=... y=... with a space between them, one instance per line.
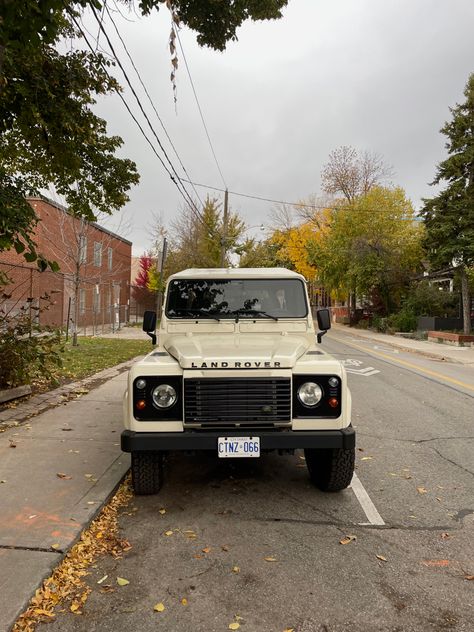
x=371 y=247
x=48 y=132
x=449 y=216
x=196 y=239
x=351 y=174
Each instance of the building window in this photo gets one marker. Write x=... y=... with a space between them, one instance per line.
x=110 y=256
x=82 y=249
x=97 y=254
x=82 y=301
x=96 y=299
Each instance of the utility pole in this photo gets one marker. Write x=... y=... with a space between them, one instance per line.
x=225 y=228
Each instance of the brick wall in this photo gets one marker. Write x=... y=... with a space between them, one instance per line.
x=97 y=258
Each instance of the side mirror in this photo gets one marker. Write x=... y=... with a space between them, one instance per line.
x=149 y=324
x=324 y=322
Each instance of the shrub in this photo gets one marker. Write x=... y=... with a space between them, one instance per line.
x=404 y=320
x=27 y=351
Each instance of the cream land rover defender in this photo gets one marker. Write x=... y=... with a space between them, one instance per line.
x=238 y=371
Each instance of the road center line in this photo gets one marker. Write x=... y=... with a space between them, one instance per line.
x=407 y=364
x=365 y=502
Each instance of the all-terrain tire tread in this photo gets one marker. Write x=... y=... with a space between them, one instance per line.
x=331 y=470
x=147 y=472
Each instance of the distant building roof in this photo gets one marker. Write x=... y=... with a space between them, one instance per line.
x=63 y=208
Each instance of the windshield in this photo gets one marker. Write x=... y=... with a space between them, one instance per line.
x=236 y=298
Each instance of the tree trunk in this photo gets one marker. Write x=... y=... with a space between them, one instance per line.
x=466 y=301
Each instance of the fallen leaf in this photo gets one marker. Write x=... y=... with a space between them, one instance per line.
x=3 y=481
x=469 y=577
x=207 y=549
x=88 y=475
x=55 y=546
x=32 y=516
x=168 y=533
x=12 y=443
x=224 y=547
x=382 y=558
x=270 y=559
x=445 y=536
x=437 y=563
x=236 y=569
x=122 y=582
x=64 y=476
x=347 y=539
x=74 y=607
x=162 y=511
x=367 y=458
x=159 y=607
x=45 y=613
x=184 y=601
x=422 y=490
x=234 y=626
x=102 y=579
x=289 y=630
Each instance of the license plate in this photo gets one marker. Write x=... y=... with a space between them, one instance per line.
x=238 y=447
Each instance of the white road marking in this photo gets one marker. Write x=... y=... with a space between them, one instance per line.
x=366 y=372
x=366 y=503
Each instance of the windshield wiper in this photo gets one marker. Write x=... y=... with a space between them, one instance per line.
x=253 y=311
x=199 y=312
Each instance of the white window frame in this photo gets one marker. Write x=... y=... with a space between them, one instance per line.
x=82 y=249
x=97 y=254
x=82 y=301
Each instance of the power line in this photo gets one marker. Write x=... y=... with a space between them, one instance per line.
x=321 y=207
x=177 y=181
x=151 y=101
x=137 y=98
x=200 y=110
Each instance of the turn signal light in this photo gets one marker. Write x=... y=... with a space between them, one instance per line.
x=141 y=404
x=333 y=402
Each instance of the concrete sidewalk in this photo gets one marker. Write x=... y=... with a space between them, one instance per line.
x=460 y=355
x=79 y=439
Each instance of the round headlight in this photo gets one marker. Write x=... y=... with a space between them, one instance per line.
x=333 y=382
x=164 y=396
x=310 y=394
x=140 y=384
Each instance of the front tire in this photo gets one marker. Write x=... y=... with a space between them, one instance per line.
x=330 y=469
x=147 y=472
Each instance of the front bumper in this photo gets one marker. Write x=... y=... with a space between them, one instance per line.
x=205 y=440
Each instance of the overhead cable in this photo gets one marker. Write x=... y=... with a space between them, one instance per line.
x=200 y=110
x=151 y=102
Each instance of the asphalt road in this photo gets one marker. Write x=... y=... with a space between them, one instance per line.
x=411 y=509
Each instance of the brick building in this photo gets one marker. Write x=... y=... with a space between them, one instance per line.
x=93 y=284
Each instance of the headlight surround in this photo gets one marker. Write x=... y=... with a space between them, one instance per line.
x=310 y=394
x=164 y=396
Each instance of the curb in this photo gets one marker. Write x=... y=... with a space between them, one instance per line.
x=427 y=354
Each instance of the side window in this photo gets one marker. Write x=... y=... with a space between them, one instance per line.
x=110 y=254
x=82 y=301
x=97 y=254
x=82 y=249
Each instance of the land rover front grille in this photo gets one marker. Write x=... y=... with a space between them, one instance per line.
x=236 y=401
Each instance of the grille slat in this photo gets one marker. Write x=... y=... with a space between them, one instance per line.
x=237 y=401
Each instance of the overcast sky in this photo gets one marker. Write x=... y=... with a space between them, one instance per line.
x=379 y=76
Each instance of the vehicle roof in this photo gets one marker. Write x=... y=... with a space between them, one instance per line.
x=237 y=273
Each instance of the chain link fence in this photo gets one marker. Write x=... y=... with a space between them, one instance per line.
x=50 y=300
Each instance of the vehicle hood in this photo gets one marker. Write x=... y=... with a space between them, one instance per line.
x=236 y=352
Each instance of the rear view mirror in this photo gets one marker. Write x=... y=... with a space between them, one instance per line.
x=324 y=322
x=149 y=324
